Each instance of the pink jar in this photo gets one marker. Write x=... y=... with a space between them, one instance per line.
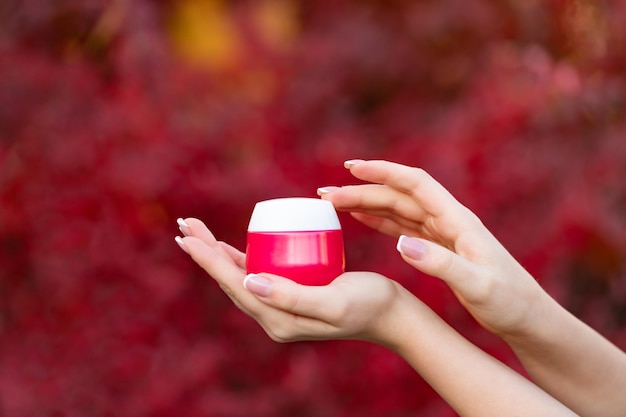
x=298 y=238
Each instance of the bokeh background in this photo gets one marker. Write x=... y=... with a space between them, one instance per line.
x=117 y=117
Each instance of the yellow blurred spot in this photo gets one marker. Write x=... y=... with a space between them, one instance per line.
x=204 y=33
x=276 y=23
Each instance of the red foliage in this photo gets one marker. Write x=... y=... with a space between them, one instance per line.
x=107 y=135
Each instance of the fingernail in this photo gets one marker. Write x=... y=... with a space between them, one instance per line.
x=352 y=162
x=257 y=284
x=325 y=190
x=183 y=227
x=181 y=243
x=410 y=247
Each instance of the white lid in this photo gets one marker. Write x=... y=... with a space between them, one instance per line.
x=293 y=214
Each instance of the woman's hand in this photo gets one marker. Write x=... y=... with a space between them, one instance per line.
x=440 y=237
x=443 y=238
x=356 y=305
x=368 y=306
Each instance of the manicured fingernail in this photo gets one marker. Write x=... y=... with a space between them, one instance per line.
x=183 y=227
x=325 y=190
x=258 y=285
x=410 y=247
x=352 y=162
x=181 y=243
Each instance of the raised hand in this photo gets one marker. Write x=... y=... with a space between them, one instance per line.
x=443 y=238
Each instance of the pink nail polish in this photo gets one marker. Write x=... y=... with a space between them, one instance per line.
x=181 y=243
x=183 y=227
x=411 y=247
x=257 y=284
x=352 y=162
x=325 y=190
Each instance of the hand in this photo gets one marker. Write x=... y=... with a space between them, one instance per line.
x=368 y=306
x=441 y=237
x=356 y=305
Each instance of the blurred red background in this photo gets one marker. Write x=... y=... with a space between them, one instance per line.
x=117 y=117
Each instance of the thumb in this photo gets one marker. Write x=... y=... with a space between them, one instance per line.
x=437 y=261
x=289 y=296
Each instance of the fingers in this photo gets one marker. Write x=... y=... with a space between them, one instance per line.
x=221 y=261
x=461 y=274
x=350 y=307
x=452 y=217
x=283 y=315
x=389 y=225
x=238 y=257
x=290 y=312
x=417 y=183
x=220 y=266
x=401 y=192
x=223 y=270
x=307 y=301
x=374 y=199
x=354 y=305
x=198 y=229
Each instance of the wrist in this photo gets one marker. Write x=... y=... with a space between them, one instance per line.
x=403 y=320
x=539 y=323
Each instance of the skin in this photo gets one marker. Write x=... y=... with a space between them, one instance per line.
x=563 y=355
x=448 y=241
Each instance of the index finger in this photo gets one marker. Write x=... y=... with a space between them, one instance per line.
x=223 y=270
x=415 y=182
x=447 y=217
